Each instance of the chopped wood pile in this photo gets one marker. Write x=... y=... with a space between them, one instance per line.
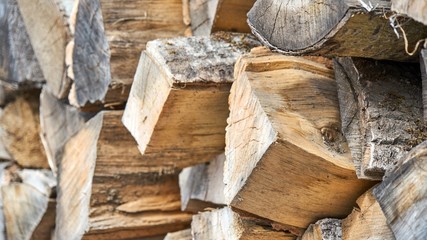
x=213 y=119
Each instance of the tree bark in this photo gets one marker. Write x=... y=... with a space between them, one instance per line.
x=416 y=9
x=284 y=141
x=381 y=111
x=403 y=195
x=423 y=68
x=333 y=28
x=328 y=228
x=177 y=108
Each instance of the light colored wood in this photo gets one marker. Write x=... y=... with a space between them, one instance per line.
x=328 y=228
x=224 y=224
x=403 y=195
x=21 y=125
x=367 y=221
x=202 y=185
x=177 y=108
x=18 y=64
x=231 y=16
x=416 y=9
x=201 y=16
x=115 y=195
x=180 y=235
x=381 y=111
x=334 y=28
x=286 y=158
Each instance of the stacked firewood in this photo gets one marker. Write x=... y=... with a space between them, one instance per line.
x=168 y=119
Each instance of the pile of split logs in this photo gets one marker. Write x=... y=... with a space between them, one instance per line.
x=168 y=119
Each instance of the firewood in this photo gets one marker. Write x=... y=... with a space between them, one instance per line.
x=180 y=235
x=21 y=125
x=381 y=111
x=328 y=228
x=177 y=108
x=18 y=64
x=423 y=68
x=416 y=9
x=200 y=14
x=334 y=28
x=202 y=185
x=225 y=224
x=94 y=45
x=403 y=195
x=286 y=158
x=106 y=192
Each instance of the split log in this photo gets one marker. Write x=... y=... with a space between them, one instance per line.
x=423 y=68
x=18 y=64
x=111 y=32
x=403 y=195
x=224 y=224
x=180 y=235
x=381 y=111
x=200 y=14
x=328 y=228
x=333 y=28
x=21 y=125
x=202 y=185
x=115 y=195
x=416 y=9
x=177 y=108
x=286 y=158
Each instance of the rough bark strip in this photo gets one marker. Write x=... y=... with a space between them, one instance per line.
x=381 y=111
x=423 y=66
x=333 y=28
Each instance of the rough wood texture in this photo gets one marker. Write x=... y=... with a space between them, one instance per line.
x=180 y=235
x=58 y=123
x=381 y=111
x=286 y=158
x=423 y=68
x=222 y=224
x=18 y=64
x=328 y=229
x=115 y=196
x=367 y=221
x=332 y=28
x=403 y=195
x=416 y=9
x=231 y=16
x=177 y=108
x=21 y=125
x=201 y=14
x=202 y=185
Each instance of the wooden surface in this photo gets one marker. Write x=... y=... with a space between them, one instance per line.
x=333 y=28
x=118 y=196
x=416 y=9
x=286 y=158
x=403 y=193
x=201 y=14
x=381 y=111
x=231 y=16
x=202 y=186
x=177 y=107
x=423 y=68
x=328 y=228
x=180 y=235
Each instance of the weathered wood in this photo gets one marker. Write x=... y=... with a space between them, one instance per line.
x=423 y=68
x=286 y=158
x=180 y=235
x=231 y=16
x=328 y=228
x=416 y=9
x=202 y=185
x=115 y=195
x=18 y=64
x=58 y=123
x=367 y=221
x=333 y=28
x=201 y=14
x=21 y=125
x=177 y=108
x=225 y=224
x=381 y=111
x=403 y=195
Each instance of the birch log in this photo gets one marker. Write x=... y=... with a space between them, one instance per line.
x=114 y=196
x=403 y=195
x=202 y=185
x=416 y=9
x=177 y=108
x=224 y=224
x=333 y=28
x=381 y=111
x=18 y=65
x=286 y=158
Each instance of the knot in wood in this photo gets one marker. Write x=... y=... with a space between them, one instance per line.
x=329 y=134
